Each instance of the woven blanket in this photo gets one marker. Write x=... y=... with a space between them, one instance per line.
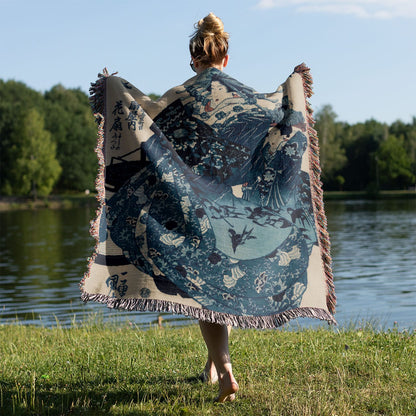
x=210 y=202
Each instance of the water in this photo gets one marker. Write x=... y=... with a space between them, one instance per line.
x=374 y=261
x=43 y=257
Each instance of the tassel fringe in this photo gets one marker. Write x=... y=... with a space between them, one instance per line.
x=97 y=102
x=257 y=322
x=316 y=188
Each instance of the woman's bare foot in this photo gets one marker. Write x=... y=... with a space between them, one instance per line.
x=228 y=388
x=209 y=375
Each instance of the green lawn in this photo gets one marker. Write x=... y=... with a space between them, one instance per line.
x=104 y=369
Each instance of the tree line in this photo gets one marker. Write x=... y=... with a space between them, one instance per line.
x=47 y=143
x=367 y=156
x=47 y=140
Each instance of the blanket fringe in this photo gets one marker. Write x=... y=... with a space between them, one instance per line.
x=316 y=188
x=255 y=322
x=97 y=102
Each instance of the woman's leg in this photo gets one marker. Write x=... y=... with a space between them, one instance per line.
x=216 y=339
x=209 y=374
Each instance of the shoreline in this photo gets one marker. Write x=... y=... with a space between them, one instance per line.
x=67 y=201
x=61 y=201
x=364 y=195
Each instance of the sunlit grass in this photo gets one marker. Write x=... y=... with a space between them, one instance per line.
x=102 y=368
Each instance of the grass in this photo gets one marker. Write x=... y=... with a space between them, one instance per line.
x=105 y=369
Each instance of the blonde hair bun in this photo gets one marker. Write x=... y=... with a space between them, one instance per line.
x=211 y=25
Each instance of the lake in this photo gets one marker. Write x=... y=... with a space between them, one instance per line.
x=43 y=256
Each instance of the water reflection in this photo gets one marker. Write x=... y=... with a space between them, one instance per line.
x=43 y=257
x=374 y=260
x=42 y=252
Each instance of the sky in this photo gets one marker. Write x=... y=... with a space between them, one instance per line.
x=361 y=53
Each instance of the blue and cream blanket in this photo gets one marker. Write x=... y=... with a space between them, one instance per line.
x=210 y=202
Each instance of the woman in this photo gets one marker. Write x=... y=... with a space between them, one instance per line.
x=211 y=203
x=209 y=49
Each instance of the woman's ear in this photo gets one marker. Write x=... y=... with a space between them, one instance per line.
x=225 y=61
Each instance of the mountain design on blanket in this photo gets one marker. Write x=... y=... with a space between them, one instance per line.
x=211 y=204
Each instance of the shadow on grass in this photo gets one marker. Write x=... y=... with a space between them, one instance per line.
x=98 y=397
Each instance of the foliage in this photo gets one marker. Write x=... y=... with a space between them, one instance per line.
x=332 y=154
x=365 y=156
x=68 y=117
x=394 y=163
x=69 y=131
x=35 y=166
x=154 y=96
x=104 y=369
x=16 y=99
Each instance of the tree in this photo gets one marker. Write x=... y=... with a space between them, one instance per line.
x=153 y=96
x=70 y=120
x=15 y=92
x=408 y=133
x=8 y=112
x=15 y=97
x=361 y=143
x=35 y=169
x=394 y=164
x=332 y=155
